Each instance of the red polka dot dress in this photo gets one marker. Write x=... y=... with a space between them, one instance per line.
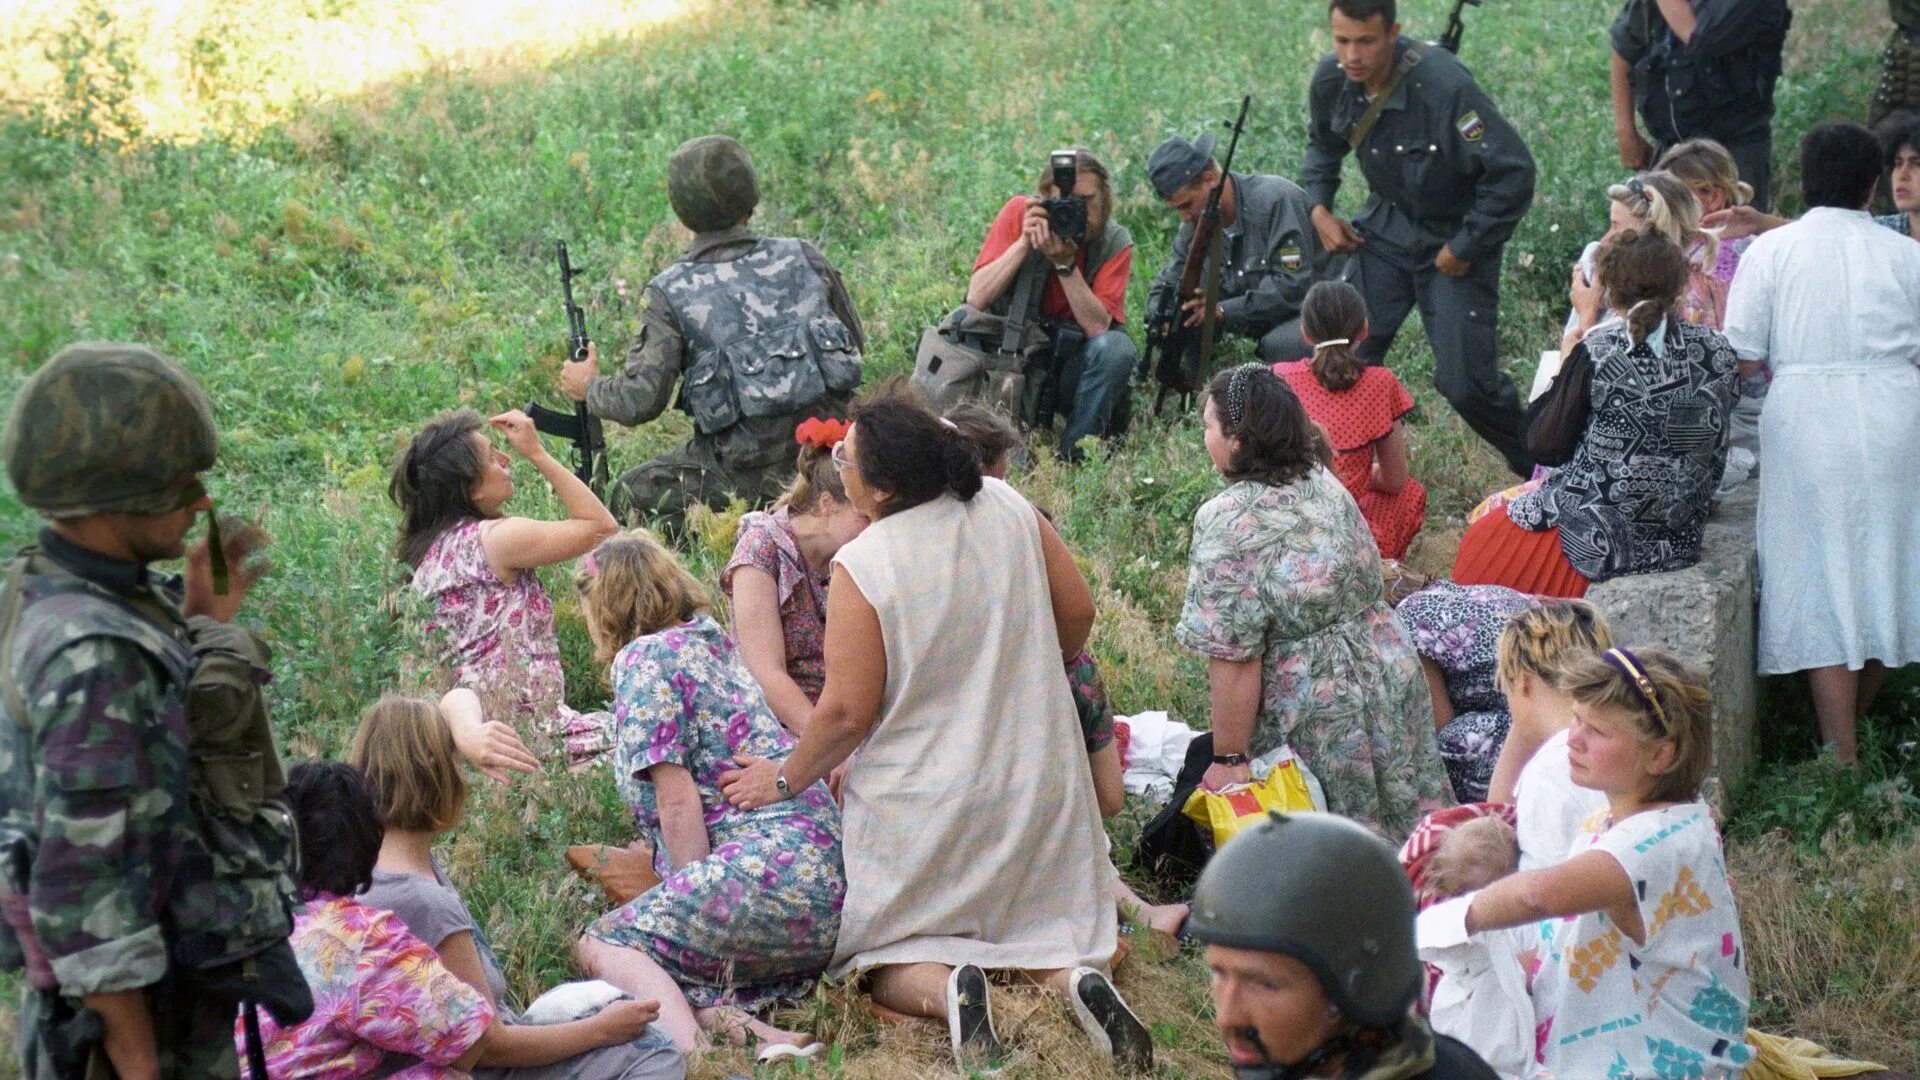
x=1355 y=419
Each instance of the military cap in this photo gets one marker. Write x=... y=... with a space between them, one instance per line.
x=1175 y=163
x=711 y=184
x=109 y=426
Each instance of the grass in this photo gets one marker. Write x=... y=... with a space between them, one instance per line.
x=340 y=214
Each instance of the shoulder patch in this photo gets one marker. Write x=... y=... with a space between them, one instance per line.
x=1291 y=260
x=1470 y=126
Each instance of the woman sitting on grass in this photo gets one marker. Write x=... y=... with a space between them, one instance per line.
x=777 y=579
x=972 y=827
x=1284 y=598
x=405 y=750
x=995 y=437
x=384 y=1004
x=748 y=906
x=1360 y=407
x=1644 y=974
x=1651 y=448
x=491 y=623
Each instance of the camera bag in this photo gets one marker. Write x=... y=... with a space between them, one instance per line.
x=975 y=355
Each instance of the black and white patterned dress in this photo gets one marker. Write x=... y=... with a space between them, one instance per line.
x=1458 y=628
x=1634 y=497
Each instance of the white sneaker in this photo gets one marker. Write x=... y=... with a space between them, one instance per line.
x=1104 y=1016
x=976 y=1049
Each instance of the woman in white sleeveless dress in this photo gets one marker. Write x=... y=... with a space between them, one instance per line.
x=971 y=827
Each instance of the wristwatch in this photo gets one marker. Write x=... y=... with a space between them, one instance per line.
x=1227 y=759
x=780 y=781
x=1063 y=269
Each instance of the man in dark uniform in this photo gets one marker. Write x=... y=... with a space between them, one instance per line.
x=758 y=332
x=1699 y=69
x=1270 y=253
x=1450 y=179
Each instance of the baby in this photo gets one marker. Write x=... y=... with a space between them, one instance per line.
x=1472 y=856
x=1481 y=997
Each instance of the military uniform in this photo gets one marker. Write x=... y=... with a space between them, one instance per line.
x=1445 y=169
x=1717 y=85
x=760 y=334
x=95 y=776
x=1270 y=257
x=1900 y=65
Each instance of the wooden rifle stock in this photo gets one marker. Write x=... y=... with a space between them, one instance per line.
x=1175 y=374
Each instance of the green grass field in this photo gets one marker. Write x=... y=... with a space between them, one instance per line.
x=340 y=214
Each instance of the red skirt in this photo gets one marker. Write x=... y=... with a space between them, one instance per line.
x=1495 y=551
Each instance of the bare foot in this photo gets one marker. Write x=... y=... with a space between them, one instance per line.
x=1167 y=918
x=736 y=1027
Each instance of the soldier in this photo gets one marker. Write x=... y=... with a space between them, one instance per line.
x=1900 y=65
x=1270 y=253
x=1308 y=925
x=1450 y=179
x=107 y=441
x=1699 y=69
x=758 y=331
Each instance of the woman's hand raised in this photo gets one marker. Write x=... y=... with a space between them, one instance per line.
x=752 y=785
x=518 y=427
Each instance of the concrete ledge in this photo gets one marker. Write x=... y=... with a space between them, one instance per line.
x=1705 y=614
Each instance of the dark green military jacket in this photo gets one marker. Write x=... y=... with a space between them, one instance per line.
x=1445 y=167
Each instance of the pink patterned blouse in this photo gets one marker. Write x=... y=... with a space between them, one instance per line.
x=379 y=995
x=498 y=639
x=767 y=544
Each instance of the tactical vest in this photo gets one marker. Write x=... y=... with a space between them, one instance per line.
x=231 y=907
x=761 y=335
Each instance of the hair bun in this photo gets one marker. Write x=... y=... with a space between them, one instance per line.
x=961 y=461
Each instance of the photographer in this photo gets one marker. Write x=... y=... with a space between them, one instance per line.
x=1083 y=302
x=1270 y=253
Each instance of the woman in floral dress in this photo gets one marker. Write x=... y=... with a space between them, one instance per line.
x=1284 y=599
x=748 y=907
x=1456 y=629
x=489 y=623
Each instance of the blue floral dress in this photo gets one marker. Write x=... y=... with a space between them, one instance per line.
x=1289 y=575
x=756 y=920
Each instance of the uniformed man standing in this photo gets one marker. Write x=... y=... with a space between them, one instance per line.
x=1699 y=69
x=758 y=331
x=1270 y=253
x=1450 y=179
x=106 y=441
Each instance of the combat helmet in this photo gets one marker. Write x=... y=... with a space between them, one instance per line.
x=1330 y=894
x=711 y=184
x=109 y=426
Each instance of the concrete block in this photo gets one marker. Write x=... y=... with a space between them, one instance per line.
x=1705 y=615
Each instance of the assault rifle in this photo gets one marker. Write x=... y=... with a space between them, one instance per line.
x=582 y=428
x=1180 y=367
x=1450 y=40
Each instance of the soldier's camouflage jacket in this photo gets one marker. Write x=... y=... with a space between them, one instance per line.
x=95 y=777
x=758 y=332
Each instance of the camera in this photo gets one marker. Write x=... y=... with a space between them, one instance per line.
x=1066 y=212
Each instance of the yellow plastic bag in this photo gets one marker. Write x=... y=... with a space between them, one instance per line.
x=1287 y=787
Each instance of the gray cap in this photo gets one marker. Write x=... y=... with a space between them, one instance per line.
x=1176 y=162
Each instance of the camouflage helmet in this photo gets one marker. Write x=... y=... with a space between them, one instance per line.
x=710 y=183
x=1327 y=892
x=109 y=426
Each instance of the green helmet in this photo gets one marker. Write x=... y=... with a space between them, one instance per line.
x=1325 y=891
x=109 y=426
x=710 y=183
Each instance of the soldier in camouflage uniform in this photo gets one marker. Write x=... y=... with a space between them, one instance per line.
x=103 y=862
x=758 y=331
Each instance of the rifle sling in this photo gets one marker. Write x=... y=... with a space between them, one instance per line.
x=1372 y=116
x=1026 y=299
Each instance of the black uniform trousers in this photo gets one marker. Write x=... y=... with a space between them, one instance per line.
x=1462 y=319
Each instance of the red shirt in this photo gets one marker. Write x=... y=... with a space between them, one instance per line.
x=1109 y=284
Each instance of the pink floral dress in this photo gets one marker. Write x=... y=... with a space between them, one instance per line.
x=379 y=995
x=498 y=640
x=767 y=544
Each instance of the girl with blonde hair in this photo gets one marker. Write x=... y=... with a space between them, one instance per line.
x=1658 y=203
x=1650 y=887
x=747 y=910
